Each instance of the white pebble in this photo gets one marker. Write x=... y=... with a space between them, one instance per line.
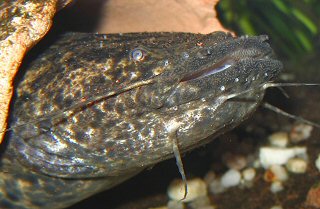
x=234 y=161
x=279 y=172
x=297 y=165
x=318 y=162
x=256 y=163
x=279 y=139
x=174 y=204
x=200 y=202
x=196 y=188
x=208 y=207
x=249 y=174
x=162 y=207
x=276 y=187
x=276 y=173
x=216 y=187
x=276 y=207
x=300 y=132
x=231 y=178
x=278 y=156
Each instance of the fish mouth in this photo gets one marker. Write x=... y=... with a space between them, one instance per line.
x=229 y=61
x=225 y=71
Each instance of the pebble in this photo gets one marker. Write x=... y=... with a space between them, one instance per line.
x=313 y=197
x=248 y=174
x=174 y=204
x=276 y=173
x=231 y=178
x=276 y=187
x=300 y=132
x=234 y=161
x=296 y=165
x=161 y=207
x=200 y=202
x=276 y=207
x=280 y=172
x=209 y=177
x=215 y=187
x=318 y=162
x=196 y=188
x=256 y=163
x=278 y=156
x=208 y=207
x=279 y=139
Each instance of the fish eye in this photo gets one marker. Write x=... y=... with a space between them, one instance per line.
x=137 y=54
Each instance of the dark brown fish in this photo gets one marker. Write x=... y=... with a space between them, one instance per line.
x=94 y=110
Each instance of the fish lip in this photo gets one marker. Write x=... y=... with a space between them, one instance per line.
x=224 y=64
x=232 y=50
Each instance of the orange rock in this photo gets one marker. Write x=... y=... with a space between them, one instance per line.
x=313 y=197
x=23 y=24
x=158 y=16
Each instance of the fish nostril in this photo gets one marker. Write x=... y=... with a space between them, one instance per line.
x=203 y=53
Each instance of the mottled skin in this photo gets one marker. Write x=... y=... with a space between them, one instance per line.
x=92 y=111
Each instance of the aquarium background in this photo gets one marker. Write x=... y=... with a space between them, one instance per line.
x=292 y=25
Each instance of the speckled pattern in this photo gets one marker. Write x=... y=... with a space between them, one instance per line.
x=94 y=110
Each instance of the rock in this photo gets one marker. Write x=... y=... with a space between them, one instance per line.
x=23 y=24
x=276 y=173
x=196 y=188
x=318 y=162
x=248 y=174
x=276 y=207
x=234 y=161
x=313 y=197
x=200 y=202
x=279 y=156
x=279 y=139
x=276 y=187
x=216 y=187
x=174 y=204
x=297 y=165
x=300 y=132
x=231 y=178
x=142 y=16
x=161 y=207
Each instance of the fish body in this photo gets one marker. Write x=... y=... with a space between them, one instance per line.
x=93 y=110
